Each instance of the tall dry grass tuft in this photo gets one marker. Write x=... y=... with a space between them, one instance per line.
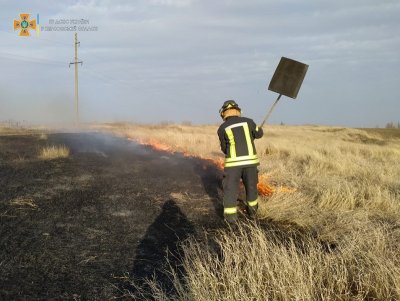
x=272 y=263
x=43 y=136
x=54 y=152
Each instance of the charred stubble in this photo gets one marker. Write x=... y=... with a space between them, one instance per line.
x=73 y=228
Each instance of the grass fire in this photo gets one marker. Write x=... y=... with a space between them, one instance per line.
x=328 y=217
x=184 y=150
x=263 y=187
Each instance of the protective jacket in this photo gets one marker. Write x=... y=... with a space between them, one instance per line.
x=236 y=136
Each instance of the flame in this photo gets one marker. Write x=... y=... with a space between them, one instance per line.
x=154 y=145
x=263 y=187
x=219 y=163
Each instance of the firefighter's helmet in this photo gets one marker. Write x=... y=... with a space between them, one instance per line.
x=229 y=104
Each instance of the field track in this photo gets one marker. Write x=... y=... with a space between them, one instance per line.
x=73 y=228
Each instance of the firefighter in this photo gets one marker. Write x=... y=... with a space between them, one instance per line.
x=236 y=135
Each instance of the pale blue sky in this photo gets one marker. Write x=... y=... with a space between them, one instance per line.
x=178 y=60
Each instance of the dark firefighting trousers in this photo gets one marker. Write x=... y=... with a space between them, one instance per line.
x=231 y=186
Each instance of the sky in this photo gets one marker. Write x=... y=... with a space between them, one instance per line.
x=178 y=60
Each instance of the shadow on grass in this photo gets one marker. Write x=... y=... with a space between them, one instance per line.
x=160 y=248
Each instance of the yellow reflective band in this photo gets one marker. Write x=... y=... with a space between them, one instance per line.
x=232 y=147
x=241 y=158
x=253 y=203
x=241 y=163
x=257 y=128
x=236 y=125
x=248 y=139
x=231 y=210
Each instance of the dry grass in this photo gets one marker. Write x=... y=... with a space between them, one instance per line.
x=348 y=196
x=196 y=140
x=54 y=152
x=23 y=202
x=268 y=263
x=10 y=131
x=43 y=136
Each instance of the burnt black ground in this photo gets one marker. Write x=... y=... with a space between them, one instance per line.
x=109 y=210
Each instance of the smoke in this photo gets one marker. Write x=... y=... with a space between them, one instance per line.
x=104 y=145
x=50 y=110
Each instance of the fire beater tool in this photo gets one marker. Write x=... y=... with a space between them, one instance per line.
x=287 y=80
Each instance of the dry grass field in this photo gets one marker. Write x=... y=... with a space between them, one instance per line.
x=336 y=236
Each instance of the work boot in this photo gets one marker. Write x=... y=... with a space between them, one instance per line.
x=252 y=211
x=232 y=225
x=230 y=219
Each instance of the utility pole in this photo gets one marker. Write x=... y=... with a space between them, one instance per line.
x=76 y=62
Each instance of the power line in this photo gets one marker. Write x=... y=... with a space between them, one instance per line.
x=88 y=71
x=38 y=38
x=47 y=61
x=76 y=63
x=7 y=55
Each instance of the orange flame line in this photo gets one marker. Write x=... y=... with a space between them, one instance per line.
x=263 y=187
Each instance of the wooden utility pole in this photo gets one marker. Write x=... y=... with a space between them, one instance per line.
x=76 y=62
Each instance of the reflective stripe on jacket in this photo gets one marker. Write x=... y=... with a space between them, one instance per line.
x=237 y=136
